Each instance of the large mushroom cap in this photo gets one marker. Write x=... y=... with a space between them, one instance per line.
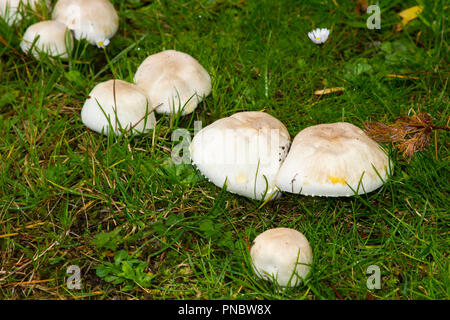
x=54 y=39
x=244 y=151
x=10 y=9
x=173 y=79
x=93 y=20
x=117 y=104
x=282 y=254
x=331 y=160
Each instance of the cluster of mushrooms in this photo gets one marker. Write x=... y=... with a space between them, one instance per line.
x=94 y=20
x=167 y=82
x=249 y=153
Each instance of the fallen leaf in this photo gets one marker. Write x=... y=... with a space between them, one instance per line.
x=361 y=6
x=328 y=91
x=408 y=15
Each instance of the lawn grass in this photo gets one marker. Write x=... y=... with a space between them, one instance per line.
x=140 y=227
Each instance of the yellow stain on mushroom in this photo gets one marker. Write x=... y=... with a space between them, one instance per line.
x=241 y=178
x=337 y=180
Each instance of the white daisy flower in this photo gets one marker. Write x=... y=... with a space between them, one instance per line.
x=319 y=35
x=102 y=43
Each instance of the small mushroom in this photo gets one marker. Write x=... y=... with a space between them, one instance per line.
x=243 y=151
x=53 y=38
x=175 y=80
x=116 y=105
x=10 y=9
x=282 y=255
x=94 y=20
x=333 y=160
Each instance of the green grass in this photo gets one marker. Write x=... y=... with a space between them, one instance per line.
x=116 y=207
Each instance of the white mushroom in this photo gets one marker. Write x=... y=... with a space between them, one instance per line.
x=283 y=255
x=116 y=105
x=10 y=10
x=243 y=151
x=333 y=160
x=53 y=38
x=175 y=79
x=93 y=20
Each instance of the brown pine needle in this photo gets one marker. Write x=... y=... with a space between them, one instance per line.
x=8 y=235
x=410 y=134
x=400 y=76
x=25 y=283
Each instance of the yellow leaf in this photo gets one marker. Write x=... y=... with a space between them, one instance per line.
x=410 y=14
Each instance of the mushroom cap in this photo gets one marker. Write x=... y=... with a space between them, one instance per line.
x=244 y=150
x=324 y=160
x=282 y=254
x=173 y=79
x=132 y=108
x=94 y=20
x=54 y=39
x=9 y=9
